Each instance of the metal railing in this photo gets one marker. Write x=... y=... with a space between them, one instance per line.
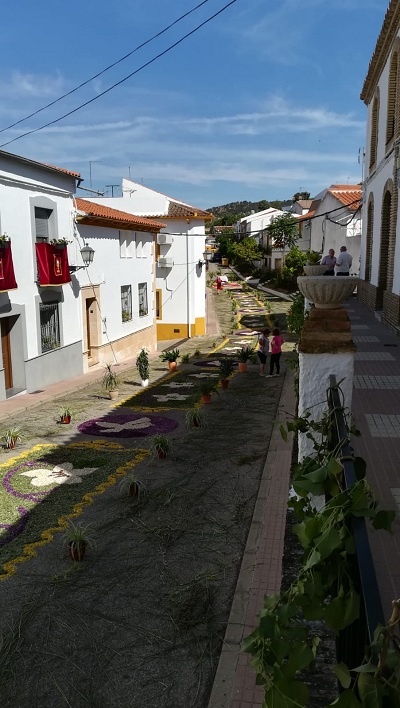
x=352 y=641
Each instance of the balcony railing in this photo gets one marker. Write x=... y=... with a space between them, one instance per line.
x=352 y=641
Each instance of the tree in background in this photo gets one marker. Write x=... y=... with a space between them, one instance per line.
x=283 y=231
x=300 y=195
x=245 y=253
x=294 y=263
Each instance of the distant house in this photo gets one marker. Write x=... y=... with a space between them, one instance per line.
x=334 y=220
x=302 y=206
x=180 y=275
x=118 y=290
x=379 y=288
x=255 y=225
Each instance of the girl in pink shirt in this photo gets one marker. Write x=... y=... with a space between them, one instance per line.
x=276 y=352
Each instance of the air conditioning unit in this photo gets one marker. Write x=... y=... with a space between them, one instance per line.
x=165 y=262
x=164 y=239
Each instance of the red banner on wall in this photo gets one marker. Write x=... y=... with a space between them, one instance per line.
x=7 y=277
x=53 y=265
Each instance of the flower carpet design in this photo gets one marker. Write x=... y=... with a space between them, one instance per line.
x=134 y=425
x=41 y=489
x=182 y=393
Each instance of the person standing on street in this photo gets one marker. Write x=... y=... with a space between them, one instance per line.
x=263 y=349
x=343 y=262
x=276 y=352
x=329 y=261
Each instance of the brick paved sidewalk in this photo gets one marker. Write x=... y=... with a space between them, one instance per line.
x=376 y=411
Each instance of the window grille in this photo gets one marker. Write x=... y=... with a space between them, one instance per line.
x=126 y=303
x=49 y=326
x=143 y=305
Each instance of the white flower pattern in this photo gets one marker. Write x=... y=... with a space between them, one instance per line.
x=175 y=384
x=60 y=474
x=138 y=424
x=161 y=398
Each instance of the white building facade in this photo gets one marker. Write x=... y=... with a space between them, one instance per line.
x=379 y=288
x=334 y=220
x=180 y=272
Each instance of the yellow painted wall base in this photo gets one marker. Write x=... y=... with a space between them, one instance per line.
x=180 y=330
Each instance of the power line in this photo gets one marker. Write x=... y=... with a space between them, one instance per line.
x=118 y=83
x=110 y=66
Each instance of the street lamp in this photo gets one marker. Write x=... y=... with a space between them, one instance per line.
x=87 y=254
x=207 y=255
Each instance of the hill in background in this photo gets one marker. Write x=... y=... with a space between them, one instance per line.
x=234 y=211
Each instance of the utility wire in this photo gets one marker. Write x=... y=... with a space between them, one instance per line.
x=118 y=83
x=110 y=66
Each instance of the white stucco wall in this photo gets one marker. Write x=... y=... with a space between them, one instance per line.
x=182 y=286
x=314 y=373
x=110 y=271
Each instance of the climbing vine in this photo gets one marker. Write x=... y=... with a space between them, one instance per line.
x=282 y=645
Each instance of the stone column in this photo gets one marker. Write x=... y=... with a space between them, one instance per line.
x=326 y=347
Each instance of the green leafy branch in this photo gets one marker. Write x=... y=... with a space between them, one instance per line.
x=282 y=646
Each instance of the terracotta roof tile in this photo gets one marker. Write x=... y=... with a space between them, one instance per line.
x=348 y=195
x=382 y=49
x=61 y=169
x=304 y=217
x=93 y=209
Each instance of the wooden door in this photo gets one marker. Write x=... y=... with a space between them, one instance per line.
x=6 y=351
x=90 y=323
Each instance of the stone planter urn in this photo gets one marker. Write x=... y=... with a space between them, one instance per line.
x=314 y=269
x=326 y=293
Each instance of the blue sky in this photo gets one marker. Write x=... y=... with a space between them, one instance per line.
x=260 y=103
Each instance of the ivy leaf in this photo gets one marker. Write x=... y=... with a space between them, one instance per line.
x=370 y=691
x=342 y=611
x=318 y=475
x=347 y=699
x=306 y=485
x=334 y=467
x=343 y=674
x=313 y=559
x=301 y=657
x=383 y=520
x=328 y=543
x=283 y=433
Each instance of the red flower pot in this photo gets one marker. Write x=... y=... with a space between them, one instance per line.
x=161 y=454
x=242 y=367
x=206 y=398
x=172 y=365
x=76 y=550
x=66 y=419
x=224 y=383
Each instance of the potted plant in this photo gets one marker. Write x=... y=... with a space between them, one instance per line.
x=185 y=358
x=142 y=365
x=78 y=538
x=313 y=266
x=11 y=437
x=133 y=485
x=65 y=416
x=59 y=242
x=161 y=446
x=195 y=418
x=207 y=387
x=111 y=382
x=171 y=357
x=226 y=369
x=243 y=356
x=4 y=240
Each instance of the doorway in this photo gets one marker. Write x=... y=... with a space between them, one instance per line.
x=90 y=326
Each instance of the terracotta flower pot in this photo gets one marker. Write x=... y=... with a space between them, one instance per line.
x=172 y=365
x=242 y=367
x=224 y=383
x=206 y=398
x=76 y=550
x=66 y=419
x=161 y=454
x=113 y=394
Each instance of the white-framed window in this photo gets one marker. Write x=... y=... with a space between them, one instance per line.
x=49 y=326
x=42 y=224
x=143 y=302
x=126 y=303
